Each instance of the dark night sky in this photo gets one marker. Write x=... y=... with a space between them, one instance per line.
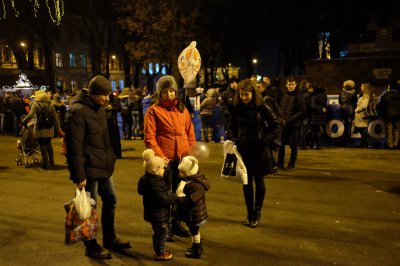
x=257 y=26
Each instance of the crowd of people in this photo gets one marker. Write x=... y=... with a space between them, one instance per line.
x=260 y=117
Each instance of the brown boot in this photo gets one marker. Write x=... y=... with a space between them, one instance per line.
x=166 y=255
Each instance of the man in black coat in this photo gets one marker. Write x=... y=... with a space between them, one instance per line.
x=389 y=109
x=91 y=159
x=227 y=101
x=293 y=108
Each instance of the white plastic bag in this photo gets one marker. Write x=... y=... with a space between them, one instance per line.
x=82 y=204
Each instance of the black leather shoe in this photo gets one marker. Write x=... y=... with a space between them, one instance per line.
x=256 y=219
x=117 y=244
x=178 y=229
x=97 y=252
x=247 y=222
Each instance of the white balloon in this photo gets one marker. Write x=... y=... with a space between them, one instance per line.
x=199 y=150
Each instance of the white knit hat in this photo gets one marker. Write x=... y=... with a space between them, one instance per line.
x=189 y=165
x=151 y=162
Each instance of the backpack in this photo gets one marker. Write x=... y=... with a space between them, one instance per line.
x=371 y=111
x=44 y=119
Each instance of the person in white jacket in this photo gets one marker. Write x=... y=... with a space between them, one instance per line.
x=360 y=120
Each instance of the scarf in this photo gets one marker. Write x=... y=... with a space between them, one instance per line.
x=168 y=104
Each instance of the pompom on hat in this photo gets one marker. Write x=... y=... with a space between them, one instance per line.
x=189 y=166
x=166 y=82
x=99 y=85
x=349 y=84
x=151 y=162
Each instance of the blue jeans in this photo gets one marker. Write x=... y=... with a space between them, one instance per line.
x=105 y=188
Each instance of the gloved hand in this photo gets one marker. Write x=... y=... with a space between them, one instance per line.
x=179 y=190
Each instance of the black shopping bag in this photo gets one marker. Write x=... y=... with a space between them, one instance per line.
x=229 y=168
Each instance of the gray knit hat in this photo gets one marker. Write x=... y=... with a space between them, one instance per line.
x=99 y=85
x=166 y=82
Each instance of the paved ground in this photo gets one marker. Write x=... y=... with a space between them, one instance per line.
x=340 y=207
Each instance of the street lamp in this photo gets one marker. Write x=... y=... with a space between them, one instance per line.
x=255 y=62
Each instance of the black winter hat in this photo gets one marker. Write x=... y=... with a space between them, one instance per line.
x=99 y=85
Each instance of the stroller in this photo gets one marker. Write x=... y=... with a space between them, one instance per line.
x=28 y=148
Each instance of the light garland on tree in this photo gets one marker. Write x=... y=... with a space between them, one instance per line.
x=16 y=13
x=59 y=10
x=4 y=9
x=56 y=17
x=35 y=6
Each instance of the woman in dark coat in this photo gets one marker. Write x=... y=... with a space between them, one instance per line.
x=254 y=127
x=318 y=111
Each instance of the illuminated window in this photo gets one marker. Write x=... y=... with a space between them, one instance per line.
x=121 y=83
x=59 y=62
x=113 y=85
x=72 y=60
x=157 y=67
x=73 y=84
x=151 y=68
x=164 y=70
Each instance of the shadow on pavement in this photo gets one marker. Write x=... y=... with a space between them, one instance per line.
x=394 y=190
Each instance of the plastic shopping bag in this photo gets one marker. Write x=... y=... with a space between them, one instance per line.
x=77 y=229
x=82 y=204
x=233 y=168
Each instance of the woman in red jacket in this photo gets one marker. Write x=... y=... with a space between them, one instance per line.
x=168 y=130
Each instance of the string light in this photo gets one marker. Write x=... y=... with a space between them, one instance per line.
x=16 y=13
x=58 y=10
x=55 y=15
x=4 y=9
x=35 y=6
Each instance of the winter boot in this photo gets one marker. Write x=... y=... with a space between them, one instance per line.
x=256 y=219
x=249 y=219
x=194 y=251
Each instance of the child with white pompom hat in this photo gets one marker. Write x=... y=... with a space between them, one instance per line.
x=192 y=202
x=156 y=201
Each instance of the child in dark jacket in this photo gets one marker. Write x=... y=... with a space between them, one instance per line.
x=156 y=201
x=192 y=202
